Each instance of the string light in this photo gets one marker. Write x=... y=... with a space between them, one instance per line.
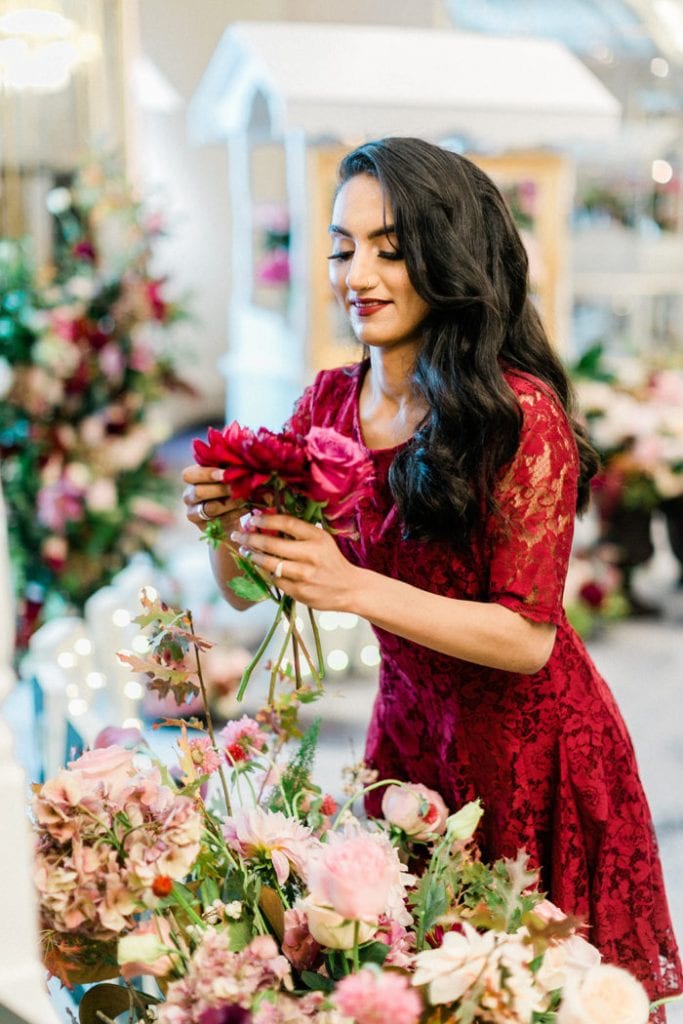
x=83 y=646
x=662 y=171
x=337 y=660
x=66 y=659
x=133 y=689
x=96 y=680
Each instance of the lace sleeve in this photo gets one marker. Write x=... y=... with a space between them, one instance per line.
x=302 y=414
x=529 y=542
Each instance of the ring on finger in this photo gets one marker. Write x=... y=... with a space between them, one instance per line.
x=277 y=573
x=202 y=513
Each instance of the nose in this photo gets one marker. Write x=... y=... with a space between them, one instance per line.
x=359 y=274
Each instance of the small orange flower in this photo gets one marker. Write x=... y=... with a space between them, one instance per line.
x=162 y=885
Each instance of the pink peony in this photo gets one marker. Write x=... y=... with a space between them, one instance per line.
x=271 y=836
x=358 y=875
x=371 y=997
x=416 y=810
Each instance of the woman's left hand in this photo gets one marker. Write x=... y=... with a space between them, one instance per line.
x=305 y=563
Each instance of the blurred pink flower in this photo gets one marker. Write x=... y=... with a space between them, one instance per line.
x=370 y=997
x=60 y=503
x=274 y=268
x=113 y=735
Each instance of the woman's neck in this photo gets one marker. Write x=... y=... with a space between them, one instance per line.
x=389 y=410
x=390 y=378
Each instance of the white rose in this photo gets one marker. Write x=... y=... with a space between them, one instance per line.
x=140 y=949
x=605 y=995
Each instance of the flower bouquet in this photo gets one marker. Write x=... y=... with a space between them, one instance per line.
x=83 y=359
x=320 y=478
x=239 y=890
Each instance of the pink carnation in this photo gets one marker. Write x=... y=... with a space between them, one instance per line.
x=371 y=997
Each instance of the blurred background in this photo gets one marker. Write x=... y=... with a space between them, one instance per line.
x=166 y=174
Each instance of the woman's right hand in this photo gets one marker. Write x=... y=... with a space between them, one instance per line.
x=204 y=493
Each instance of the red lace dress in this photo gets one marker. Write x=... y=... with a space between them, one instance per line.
x=548 y=754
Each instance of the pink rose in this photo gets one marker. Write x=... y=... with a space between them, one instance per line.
x=416 y=810
x=355 y=874
x=340 y=471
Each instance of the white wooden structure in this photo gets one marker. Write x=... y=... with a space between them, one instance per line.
x=22 y=976
x=308 y=86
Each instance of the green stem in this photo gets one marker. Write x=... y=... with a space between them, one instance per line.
x=366 y=789
x=189 y=910
x=209 y=720
x=318 y=645
x=356 y=958
x=278 y=661
x=246 y=676
x=307 y=655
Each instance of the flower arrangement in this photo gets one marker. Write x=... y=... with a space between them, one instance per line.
x=83 y=358
x=238 y=885
x=319 y=478
x=635 y=419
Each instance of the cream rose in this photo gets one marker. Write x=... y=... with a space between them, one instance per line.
x=604 y=995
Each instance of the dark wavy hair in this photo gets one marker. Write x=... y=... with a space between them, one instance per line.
x=465 y=258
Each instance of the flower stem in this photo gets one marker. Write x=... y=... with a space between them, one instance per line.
x=356 y=958
x=318 y=646
x=278 y=660
x=246 y=676
x=361 y=792
x=189 y=910
x=209 y=720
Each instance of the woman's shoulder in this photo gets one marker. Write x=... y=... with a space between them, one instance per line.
x=329 y=400
x=536 y=396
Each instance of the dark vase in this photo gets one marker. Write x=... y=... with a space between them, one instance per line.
x=628 y=529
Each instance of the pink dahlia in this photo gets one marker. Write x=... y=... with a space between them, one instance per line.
x=271 y=836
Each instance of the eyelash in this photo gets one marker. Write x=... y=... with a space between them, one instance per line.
x=393 y=256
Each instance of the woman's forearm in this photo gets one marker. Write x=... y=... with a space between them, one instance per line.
x=486 y=634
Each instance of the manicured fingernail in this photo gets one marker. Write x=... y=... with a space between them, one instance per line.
x=245 y=552
x=235 y=535
x=244 y=519
x=217 y=474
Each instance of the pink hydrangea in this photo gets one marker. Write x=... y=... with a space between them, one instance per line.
x=217 y=977
x=243 y=740
x=106 y=831
x=371 y=997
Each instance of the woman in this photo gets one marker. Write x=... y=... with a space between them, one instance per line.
x=461 y=556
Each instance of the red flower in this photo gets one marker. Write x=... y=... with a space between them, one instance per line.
x=251 y=460
x=157 y=303
x=328 y=806
x=235 y=753
x=341 y=472
x=592 y=594
x=162 y=885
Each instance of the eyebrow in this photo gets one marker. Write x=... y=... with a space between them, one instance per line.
x=334 y=229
